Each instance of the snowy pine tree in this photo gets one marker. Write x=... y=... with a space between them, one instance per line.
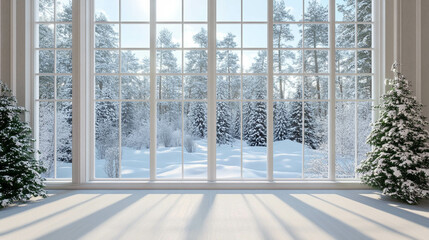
x=280 y=121
x=20 y=172
x=223 y=123
x=197 y=119
x=399 y=161
x=257 y=132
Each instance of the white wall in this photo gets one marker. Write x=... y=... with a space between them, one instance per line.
x=425 y=56
x=5 y=41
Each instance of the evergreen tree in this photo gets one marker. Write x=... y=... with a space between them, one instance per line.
x=257 y=133
x=223 y=123
x=197 y=119
x=20 y=172
x=295 y=123
x=256 y=124
x=399 y=161
x=281 y=126
x=196 y=86
x=227 y=62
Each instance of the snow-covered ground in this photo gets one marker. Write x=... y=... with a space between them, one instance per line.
x=287 y=161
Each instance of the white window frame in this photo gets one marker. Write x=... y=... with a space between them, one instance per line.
x=83 y=124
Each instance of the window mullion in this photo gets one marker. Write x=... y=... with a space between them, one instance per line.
x=211 y=91
x=331 y=118
x=152 y=97
x=270 y=110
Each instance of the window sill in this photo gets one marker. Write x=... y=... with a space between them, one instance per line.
x=321 y=184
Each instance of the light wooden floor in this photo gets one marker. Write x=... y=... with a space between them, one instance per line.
x=215 y=214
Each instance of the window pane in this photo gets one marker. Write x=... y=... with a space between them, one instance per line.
x=316 y=10
x=316 y=35
x=364 y=62
x=106 y=35
x=316 y=61
x=135 y=10
x=169 y=87
x=316 y=87
x=195 y=140
x=345 y=61
x=228 y=139
x=255 y=140
x=64 y=87
x=135 y=87
x=228 y=10
x=64 y=36
x=135 y=35
x=169 y=61
x=254 y=87
x=46 y=61
x=228 y=87
x=254 y=35
x=316 y=140
x=228 y=61
x=287 y=61
x=106 y=10
x=364 y=120
x=345 y=36
x=64 y=140
x=107 y=140
x=345 y=10
x=169 y=140
x=196 y=61
x=47 y=137
x=364 y=35
x=364 y=87
x=345 y=87
x=46 y=11
x=46 y=87
x=135 y=61
x=287 y=146
x=345 y=140
x=287 y=11
x=228 y=35
x=169 y=10
x=135 y=132
x=255 y=61
x=365 y=11
x=106 y=87
x=255 y=10
x=287 y=35
x=169 y=36
x=64 y=11
x=287 y=87
x=64 y=61
x=46 y=36
x=195 y=36
x=195 y=87
x=195 y=10
x=106 y=61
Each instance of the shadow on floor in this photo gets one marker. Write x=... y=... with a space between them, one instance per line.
x=164 y=204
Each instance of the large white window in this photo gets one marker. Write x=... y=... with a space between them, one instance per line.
x=209 y=90
x=53 y=85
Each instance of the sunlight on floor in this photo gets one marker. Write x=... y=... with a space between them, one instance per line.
x=215 y=214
